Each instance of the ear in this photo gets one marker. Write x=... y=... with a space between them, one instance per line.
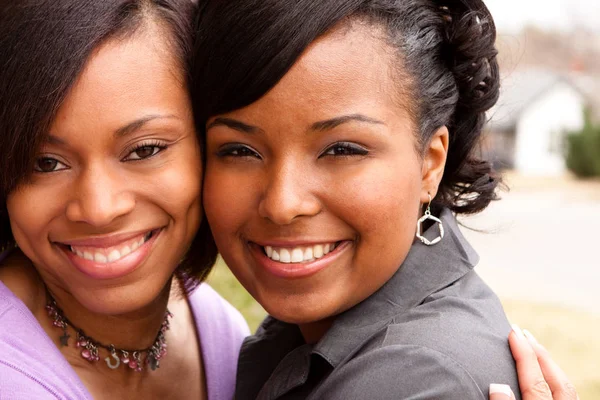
x=434 y=161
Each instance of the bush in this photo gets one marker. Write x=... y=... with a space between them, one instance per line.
x=583 y=150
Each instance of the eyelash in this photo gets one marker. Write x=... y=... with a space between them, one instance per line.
x=350 y=150
x=347 y=148
x=229 y=149
x=35 y=167
x=150 y=144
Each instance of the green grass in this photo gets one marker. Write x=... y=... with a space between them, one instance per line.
x=223 y=281
x=571 y=336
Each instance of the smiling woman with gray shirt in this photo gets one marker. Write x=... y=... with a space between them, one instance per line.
x=341 y=140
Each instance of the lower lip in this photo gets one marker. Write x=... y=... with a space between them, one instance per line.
x=116 y=269
x=297 y=270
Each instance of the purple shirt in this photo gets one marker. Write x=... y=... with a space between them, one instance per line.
x=32 y=367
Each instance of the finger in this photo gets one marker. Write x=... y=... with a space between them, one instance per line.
x=501 y=392
x=561 y=387
x=531 y=379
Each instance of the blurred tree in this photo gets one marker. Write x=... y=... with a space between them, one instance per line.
x=583 y=149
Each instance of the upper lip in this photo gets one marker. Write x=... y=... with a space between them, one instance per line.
x=105 y=240
x=294 y=243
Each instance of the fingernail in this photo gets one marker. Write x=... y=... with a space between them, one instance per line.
x=518 y=331
x=496 y=388
x=529 y=336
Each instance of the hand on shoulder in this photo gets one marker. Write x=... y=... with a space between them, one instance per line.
x=540 y=378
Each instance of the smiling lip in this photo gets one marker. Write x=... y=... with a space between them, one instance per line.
x=97 y=262
x=298 y=269
x=105 y=241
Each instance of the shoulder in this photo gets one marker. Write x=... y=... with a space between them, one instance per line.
x=403 y=371
x=17 y=384
x=223 y=315
x=221 y=329
x=30 y=365
x=18 y=274
x=465 y=325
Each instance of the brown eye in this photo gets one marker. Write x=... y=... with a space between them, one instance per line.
x=47 y=164
x=143 y=152
x=345 y=149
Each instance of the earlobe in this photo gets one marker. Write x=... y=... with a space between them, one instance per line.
x=434 y=162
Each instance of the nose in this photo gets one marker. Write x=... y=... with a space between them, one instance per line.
x=289 y=194
x=100 y=197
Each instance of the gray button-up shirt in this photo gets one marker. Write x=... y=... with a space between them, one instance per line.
x=435 y=330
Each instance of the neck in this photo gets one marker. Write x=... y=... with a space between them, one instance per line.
x=135 y=329
x=312 y=332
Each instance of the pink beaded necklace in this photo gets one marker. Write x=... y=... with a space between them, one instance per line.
x=90 y=347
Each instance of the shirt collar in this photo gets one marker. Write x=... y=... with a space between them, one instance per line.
x=425 y=270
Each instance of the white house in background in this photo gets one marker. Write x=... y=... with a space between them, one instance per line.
x=527 y=127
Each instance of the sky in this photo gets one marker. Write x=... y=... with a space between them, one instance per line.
x=512 y=15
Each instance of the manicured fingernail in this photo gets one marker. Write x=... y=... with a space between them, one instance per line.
x=529 y=336
x=518 y=331
x=496 y=388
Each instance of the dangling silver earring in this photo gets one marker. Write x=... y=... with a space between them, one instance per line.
x=425 y=218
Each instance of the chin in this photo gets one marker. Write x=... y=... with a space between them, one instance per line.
x=121 y=299
x=292 y=312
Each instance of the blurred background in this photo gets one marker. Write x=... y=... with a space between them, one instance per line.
x=539 y=245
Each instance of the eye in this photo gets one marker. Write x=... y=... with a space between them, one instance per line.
x=345 y=149
x=48 y=164
x=237 y=150
x=143 y=151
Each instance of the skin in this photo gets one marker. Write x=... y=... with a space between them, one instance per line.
x=281 y=178
x=100 y=186
x=540 y=378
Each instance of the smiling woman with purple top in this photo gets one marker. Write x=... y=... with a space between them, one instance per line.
x=100 y=178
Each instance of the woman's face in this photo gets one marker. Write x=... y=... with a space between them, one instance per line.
x=114 y=199
x=313 y=191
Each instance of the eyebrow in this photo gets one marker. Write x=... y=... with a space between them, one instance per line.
x=138 y=124
x=119 y=133
x=233 y=124
x=317 y=126
x=337 y=121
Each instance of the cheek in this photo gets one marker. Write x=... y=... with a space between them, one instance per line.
x=178 y=190
x=381 y=200
x=382 y=208
x=228 y=199
x=31 y=210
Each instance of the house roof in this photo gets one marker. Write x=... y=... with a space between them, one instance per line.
x=518 y=90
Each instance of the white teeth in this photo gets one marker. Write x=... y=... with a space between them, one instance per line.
x=100 y=258
x=298 y=254
x=114 y=256
x=109 y=255
x=275 y=256
x=285 y=256
x=308 y=253
x=318 y=251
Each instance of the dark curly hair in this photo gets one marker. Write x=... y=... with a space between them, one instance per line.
x=446 y=49
x=44 y=46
